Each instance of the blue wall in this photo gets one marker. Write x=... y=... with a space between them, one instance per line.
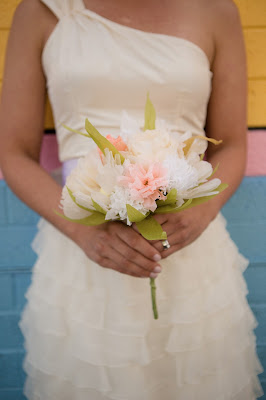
x=246 y=212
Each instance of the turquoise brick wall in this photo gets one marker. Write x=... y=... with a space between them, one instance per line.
x=17 y=229
x=246 y=215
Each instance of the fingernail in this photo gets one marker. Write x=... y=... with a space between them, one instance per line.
x=157 y=269
x=157 y=257
x=153 y=275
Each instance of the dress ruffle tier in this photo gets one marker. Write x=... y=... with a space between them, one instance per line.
x=90 y=333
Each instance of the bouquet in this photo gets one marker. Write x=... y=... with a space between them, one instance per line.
x=140 y=173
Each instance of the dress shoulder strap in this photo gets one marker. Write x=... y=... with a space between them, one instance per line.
x=60 y=8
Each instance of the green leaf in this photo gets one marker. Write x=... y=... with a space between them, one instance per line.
x=213 y=172
x=199 y=200
x=98 y=207
x=95 y=218
x=150 y=115
x=172 y=208
x=165 y=209
x=171 y=199
x=202 y=156
x=150 y=229
x=222 y=187
x=134 y=215
x=75 y=201
x=75 y=131
x=101 y=141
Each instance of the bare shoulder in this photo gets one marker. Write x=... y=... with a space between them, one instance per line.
x=31 y=18
x=30 y=10
x=225 y=17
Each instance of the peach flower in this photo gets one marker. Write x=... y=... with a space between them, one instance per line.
x=118 y=142
x=145 y=183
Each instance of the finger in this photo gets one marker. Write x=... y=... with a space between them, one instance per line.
x=135 y=257
x=161 y=218
x=134 y=226
x=123 y=264
x=187 y=239
x=138 y=243
x=177 y=238
x=110 y=264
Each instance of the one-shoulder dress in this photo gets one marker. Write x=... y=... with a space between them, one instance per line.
x=89 y=331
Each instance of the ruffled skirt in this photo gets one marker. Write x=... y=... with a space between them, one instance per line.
x=90 y=334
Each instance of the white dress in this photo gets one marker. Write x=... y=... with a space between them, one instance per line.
x=89 y=331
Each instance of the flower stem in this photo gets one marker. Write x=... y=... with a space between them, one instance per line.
x=153 y=297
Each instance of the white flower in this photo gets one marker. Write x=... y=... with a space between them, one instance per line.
x=181 y=175
x=109 y=172
x=153 y=145
x=118 y=200
x=206 y=189
x=82 y=181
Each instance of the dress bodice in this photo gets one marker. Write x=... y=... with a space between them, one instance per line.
x=95 y=68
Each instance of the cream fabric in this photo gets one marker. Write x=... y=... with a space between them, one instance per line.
x=95 y=68
x=89 y=331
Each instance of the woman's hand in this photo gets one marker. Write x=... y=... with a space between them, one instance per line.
x=184 y=227
x=117 y=246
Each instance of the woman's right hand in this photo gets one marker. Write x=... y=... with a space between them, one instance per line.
x=117 y=246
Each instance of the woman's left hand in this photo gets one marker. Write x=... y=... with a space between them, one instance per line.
x=184 y=227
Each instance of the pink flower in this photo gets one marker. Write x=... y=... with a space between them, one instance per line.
x=145 y=183
x=118 y=142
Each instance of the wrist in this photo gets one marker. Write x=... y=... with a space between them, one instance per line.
x=209 y=210
x=77 y=232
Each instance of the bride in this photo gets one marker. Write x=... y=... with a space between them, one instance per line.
x=89 y=331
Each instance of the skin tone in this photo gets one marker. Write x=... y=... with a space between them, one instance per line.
x=213 y=25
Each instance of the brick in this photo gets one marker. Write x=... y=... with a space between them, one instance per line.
x=256 y=102
x=12 y=375
x=10 y=334
x=255 y=276
x=15 y=247
x=253 y=12
x=22 y=282
x=260 y=314
x=256 y=161
x=12 y=394
x=251 y=240
x=247 y=205
x=49 y=153
x=49 y=120
x=255 y=43
x=3 y=211
x=6 y=291
x=263 y=384
x=7 y=8
x=3 y=43
x=18 y=212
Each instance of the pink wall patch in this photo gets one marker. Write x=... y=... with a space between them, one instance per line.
x=256 y=163
x=49 y=154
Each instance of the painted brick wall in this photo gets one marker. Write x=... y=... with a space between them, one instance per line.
x=17 y=229
x=245 y=211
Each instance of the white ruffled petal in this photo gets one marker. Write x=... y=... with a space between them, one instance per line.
x=203 y=190
x=70 y=209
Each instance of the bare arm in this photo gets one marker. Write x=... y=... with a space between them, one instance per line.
x=226 y=120
x=226 y=117
x=22 y=115
x=112 y=245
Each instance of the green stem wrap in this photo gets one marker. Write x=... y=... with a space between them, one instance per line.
x=153 y=298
